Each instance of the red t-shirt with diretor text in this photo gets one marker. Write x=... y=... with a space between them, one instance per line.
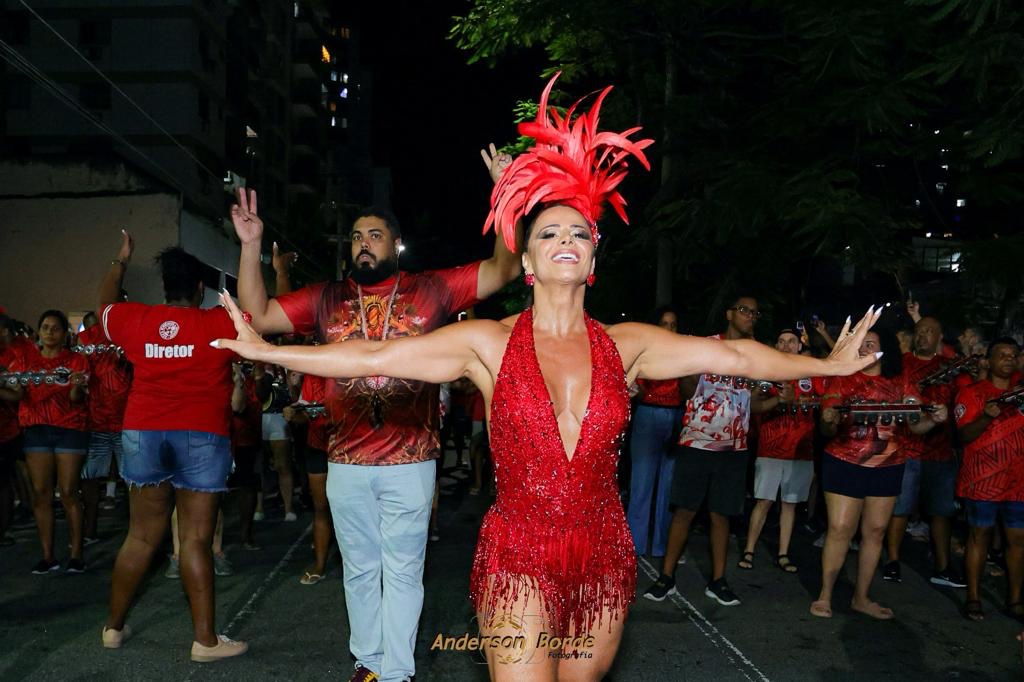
x=381 y=420
x=181 y=383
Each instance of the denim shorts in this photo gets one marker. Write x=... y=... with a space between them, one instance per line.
x=193 y=460
x=43 y=437
x=104 y=447
x=982 y=514
x=933 y=482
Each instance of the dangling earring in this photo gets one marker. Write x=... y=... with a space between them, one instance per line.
x=529 y=279
x=591 y=279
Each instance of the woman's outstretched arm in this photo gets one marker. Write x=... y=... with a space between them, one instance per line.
x=442 y=355
x=653 y=353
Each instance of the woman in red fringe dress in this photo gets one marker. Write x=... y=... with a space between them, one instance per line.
x=554 y=571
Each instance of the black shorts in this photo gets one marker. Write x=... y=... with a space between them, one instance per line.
x=316 y=461
x=246 y=460
x=853 y=480
x=721 y=477
x=46 y=438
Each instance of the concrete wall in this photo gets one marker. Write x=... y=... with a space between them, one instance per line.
x=55 y=251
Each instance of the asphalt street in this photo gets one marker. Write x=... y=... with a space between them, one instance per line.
x=50 y=625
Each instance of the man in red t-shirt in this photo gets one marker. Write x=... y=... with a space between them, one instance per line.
x=383 y=437
x=176 y=451
x=930 y=468
x=784 y=467
x=991 y=479
x=110 y=377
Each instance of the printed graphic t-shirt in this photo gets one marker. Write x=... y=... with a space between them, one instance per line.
x=869 y=445
x=110 y=378
x=788 y=435
x=993 y=466
x=937 y=444
x=19 y=349
x=50 y=404
x=717 y=417
x=181 y=383
x=381 y=420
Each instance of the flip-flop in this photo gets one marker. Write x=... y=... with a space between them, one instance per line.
x=310 y=578
x=748 y=559
x=973 y=610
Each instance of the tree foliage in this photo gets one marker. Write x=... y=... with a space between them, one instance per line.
x=789 y=133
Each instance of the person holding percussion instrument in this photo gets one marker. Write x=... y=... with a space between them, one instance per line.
x=50 y=387
x=866 y=416
x=990 y=423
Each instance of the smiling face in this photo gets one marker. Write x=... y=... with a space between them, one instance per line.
x=560 y=249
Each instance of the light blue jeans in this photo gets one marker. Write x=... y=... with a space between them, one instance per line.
x=381 y=515
x=651 y=475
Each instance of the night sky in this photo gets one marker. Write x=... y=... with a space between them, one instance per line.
x=431 y=115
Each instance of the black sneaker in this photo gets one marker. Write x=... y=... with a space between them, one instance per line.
x=44 y=567
x=720 y=591
x=948 y=578
x=663 y=587
x=891 y=572
x=75 y=566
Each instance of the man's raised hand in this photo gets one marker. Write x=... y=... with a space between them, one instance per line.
x=248 y=226
x=496 y=163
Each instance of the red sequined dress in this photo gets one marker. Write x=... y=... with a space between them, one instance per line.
x=557 y=524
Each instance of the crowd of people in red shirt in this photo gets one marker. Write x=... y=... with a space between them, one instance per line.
x=929 y=434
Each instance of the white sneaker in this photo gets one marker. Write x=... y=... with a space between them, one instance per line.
x=258 y=516
x=291 y=516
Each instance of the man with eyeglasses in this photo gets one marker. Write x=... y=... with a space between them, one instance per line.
x=712 y=460
x=991 y=479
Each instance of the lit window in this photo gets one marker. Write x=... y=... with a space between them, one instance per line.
x=944 y=166
x=960 y=203
x=917 y=202
x=334 y=76
x=334 y=121
x=928 y=235
x=940 y=187
x=333 y=106
x=936 y=131
x=344 y=93
x=296 y=10
x=344 y=78
x=325 y=56
x=344 y=123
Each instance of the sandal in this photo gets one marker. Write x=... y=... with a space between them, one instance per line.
x=973 y=610
x=747 y=561
x=309 y=578
x=783 y=562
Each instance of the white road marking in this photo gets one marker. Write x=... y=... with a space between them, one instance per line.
x=249 y=608
x=743 y=664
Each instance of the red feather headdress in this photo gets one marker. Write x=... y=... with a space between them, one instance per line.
x=571 y=164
